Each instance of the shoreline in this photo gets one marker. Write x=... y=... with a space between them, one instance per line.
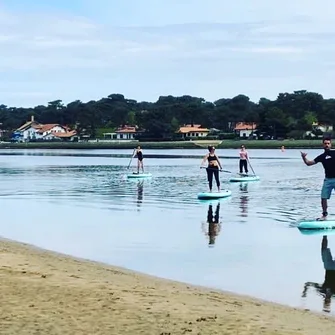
x=200 y=144
x=54 y=293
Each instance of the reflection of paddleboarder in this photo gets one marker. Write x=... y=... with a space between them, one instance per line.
x=329 y=265
x=214 y=226
x=244 y=199
x=139 y=193
x=327 y=289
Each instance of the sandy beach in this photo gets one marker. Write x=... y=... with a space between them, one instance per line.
x=48 y=293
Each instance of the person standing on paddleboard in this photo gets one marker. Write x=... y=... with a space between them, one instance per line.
x=327 y=158
x=139 y=155
x=243 y=160
x=212 y=168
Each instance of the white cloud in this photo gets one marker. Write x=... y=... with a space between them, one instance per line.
x=267 y=50
x=211 y=49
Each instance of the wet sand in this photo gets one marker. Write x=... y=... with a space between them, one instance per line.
x=48 y=293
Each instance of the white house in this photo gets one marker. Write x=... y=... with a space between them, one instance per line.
x=122 y=133
x=244 y=130
x=60 y=135
x=324 y=128
x=193 y=131
x=28 y=130
x=126 y=133
x=49 y=129
x=33 y=130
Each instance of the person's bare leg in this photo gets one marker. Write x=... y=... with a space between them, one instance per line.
x=324 y=205
x=325 y=195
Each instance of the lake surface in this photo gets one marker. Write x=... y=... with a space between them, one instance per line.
x=80 y=202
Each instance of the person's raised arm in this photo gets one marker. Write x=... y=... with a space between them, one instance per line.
x=306 y=161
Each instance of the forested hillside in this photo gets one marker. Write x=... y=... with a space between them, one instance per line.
x=290 y=115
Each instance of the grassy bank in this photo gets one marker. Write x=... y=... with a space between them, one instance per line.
x=226 y=144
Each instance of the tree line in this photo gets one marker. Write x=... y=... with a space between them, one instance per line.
x=290 y=115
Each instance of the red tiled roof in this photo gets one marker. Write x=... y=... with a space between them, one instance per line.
x=28 y=124
x=41 y=128
x=47 y=127
x=245 y=126
x=66 y=134
x=126 y=129
x=189 y=129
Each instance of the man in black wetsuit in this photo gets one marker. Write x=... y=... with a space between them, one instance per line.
x=139 y=155
x=327 y=158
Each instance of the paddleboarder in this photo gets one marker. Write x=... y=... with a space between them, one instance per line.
x=243 y=164
x=212 y=168
x=138 y=152
x=327 y=158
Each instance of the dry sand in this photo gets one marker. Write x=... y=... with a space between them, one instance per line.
x=49 y=293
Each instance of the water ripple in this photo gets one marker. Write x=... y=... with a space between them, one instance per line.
x=98 y=213
x=172 y=187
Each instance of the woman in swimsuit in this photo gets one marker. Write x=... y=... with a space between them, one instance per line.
x=139 y=155
x=243 y=159
x=212 y=168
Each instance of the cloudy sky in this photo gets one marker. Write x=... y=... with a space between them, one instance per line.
x=85 y=49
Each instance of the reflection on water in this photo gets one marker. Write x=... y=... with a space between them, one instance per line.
x=212 y=227
x=244 y=199
x=140 y=192
x=258 y=237
x=327 y=289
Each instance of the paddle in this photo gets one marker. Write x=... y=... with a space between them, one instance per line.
x=204 y=167
x=132 y=155
x=251 y=167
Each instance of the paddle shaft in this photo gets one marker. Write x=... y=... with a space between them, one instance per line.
x=241 y=174
x=251 y=167
x=132 y=155
x=204 y=167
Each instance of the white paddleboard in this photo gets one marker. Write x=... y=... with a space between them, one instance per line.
x=139 y=175
x=244 y=178
x=316 y=225
x=214 y=195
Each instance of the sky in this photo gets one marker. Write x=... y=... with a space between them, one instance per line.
x=85 y=50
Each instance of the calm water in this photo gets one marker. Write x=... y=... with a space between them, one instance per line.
x=85 y=206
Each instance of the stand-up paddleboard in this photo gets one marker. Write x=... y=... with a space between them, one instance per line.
x=139 y=175
x=316 y=225
x=214 y=195
x=244 y=178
